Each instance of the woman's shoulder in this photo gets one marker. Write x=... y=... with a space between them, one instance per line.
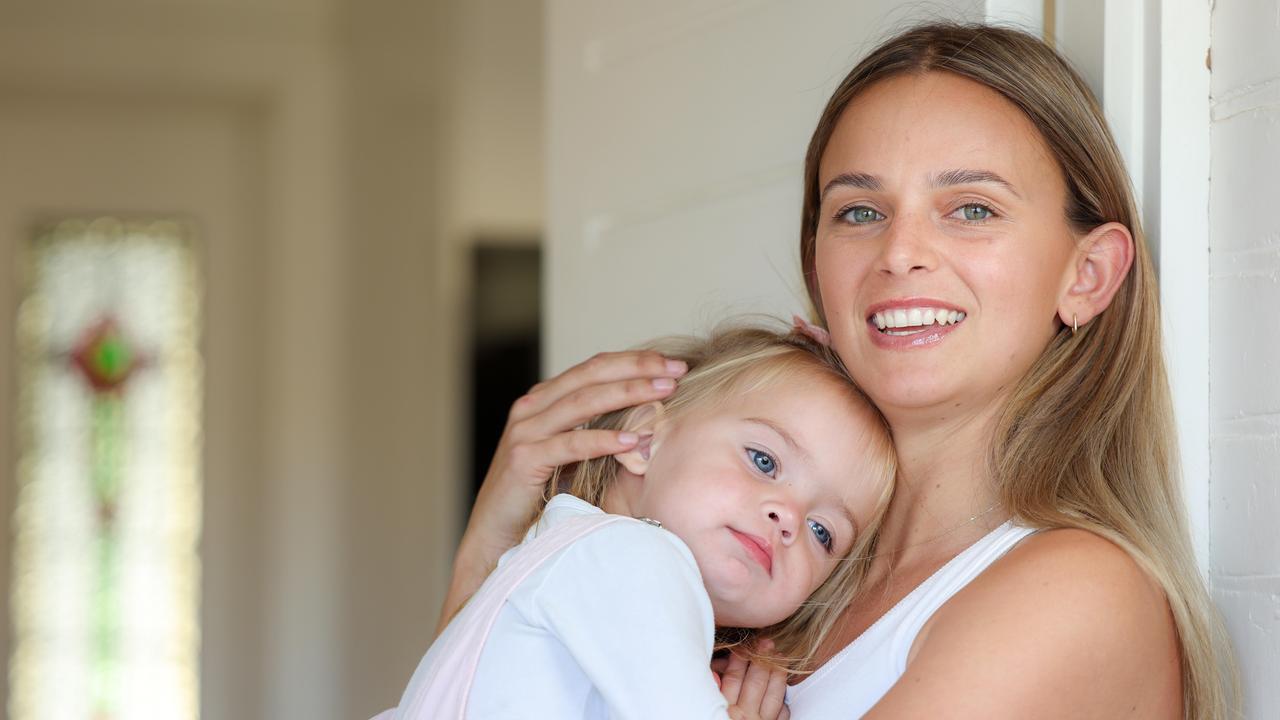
x=1065 y=614
x=1070 y=578
x=1070 y=566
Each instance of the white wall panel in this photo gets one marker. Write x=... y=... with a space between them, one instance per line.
x=677 y=134
x=1245 y=342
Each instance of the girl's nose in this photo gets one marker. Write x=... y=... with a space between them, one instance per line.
x=784 y=520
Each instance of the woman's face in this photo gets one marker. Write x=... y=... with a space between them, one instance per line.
x=942 y=244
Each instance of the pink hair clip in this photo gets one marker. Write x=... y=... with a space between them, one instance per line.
x=817 y=334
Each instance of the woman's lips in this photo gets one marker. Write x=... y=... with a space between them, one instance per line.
x=758 y=548
x=912 y=322
x=924 y=338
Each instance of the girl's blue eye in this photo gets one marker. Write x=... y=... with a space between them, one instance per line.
x=977 y=212
x=822 y=534
x=859 y=215
x=763 y=461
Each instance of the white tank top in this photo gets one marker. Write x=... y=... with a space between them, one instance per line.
x=853 y=681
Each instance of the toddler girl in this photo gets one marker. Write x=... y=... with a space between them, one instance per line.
x=731 y=519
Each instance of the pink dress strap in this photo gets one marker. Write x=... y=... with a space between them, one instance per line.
x=444 y=686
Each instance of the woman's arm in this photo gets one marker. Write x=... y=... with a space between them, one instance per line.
x=1065 y=626
x=539 y=437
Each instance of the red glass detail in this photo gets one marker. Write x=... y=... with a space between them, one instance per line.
x=105 y=357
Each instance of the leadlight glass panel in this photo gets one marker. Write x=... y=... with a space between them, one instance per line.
x=106 y=572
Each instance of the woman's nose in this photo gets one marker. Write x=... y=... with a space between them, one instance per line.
x=908 y=245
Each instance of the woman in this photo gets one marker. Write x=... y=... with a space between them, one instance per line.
x=971 y=244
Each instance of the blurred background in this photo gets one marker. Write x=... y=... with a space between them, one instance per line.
x=273 y=271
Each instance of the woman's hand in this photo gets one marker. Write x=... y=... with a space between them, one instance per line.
x=540 y=436
x=755 y=691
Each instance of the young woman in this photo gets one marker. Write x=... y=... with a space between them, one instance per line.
x=1035 y=561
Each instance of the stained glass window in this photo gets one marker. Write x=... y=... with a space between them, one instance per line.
x=105 y=569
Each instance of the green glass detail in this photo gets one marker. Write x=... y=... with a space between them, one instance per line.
x=112 y=358
x=106 y=469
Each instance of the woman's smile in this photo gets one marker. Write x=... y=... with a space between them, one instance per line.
x=912 y=322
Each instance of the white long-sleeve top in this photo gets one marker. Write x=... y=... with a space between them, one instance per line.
x=617 y=625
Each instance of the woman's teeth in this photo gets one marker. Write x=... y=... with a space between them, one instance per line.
x=909 y=321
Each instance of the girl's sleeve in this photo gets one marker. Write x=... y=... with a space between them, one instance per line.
x=628 y=603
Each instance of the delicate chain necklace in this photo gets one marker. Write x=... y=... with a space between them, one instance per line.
x=947 y=532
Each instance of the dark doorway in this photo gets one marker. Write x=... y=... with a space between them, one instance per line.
x=506 y=305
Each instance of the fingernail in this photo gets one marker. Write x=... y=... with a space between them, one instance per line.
x=628 y=438
x=677 y=367
x=663 y=383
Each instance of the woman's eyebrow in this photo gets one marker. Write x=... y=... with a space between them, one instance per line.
x=946 y=178
x=859 y=180
x=964 y=177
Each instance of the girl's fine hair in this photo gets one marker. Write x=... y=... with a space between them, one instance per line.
x=1086 y=439
x=732 y=361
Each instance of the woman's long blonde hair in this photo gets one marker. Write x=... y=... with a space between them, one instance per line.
x=1087 y=438
x=740 y=359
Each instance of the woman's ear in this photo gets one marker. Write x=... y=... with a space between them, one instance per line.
x=1102 y=263
x=644 y=420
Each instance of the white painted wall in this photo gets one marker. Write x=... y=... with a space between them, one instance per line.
x=1244 y=284
x=677 y=133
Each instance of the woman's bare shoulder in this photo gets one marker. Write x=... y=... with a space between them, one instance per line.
x=1066 y=624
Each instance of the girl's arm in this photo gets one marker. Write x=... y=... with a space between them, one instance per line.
x=628 y=605
x=538 y=438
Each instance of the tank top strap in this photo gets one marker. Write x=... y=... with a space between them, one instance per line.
x=855 y=679
x=916 y=609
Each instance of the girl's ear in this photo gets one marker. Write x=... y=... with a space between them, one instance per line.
x=644 y=420
x=1101 y=265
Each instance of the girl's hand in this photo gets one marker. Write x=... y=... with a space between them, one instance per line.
x=540 y=436
x=754 y=691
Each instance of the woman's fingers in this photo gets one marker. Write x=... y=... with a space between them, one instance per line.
x=600 y=369
x=540 y=459
x=585 y=403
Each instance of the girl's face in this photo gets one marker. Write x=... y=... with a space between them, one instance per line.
x=942 y=244
x=768 y=489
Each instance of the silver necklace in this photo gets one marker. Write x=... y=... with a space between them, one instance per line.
x=947 y=532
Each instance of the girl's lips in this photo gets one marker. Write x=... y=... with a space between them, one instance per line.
x=758 y=548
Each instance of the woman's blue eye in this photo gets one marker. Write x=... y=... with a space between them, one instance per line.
x=977 y=212
x=860 y=215
x=822 y=534
x=763 y=461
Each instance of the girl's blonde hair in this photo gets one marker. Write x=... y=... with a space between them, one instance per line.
x=742 y=359
x=1087 y=439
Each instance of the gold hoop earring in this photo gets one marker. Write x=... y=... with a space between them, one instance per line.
x=1075 y=324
